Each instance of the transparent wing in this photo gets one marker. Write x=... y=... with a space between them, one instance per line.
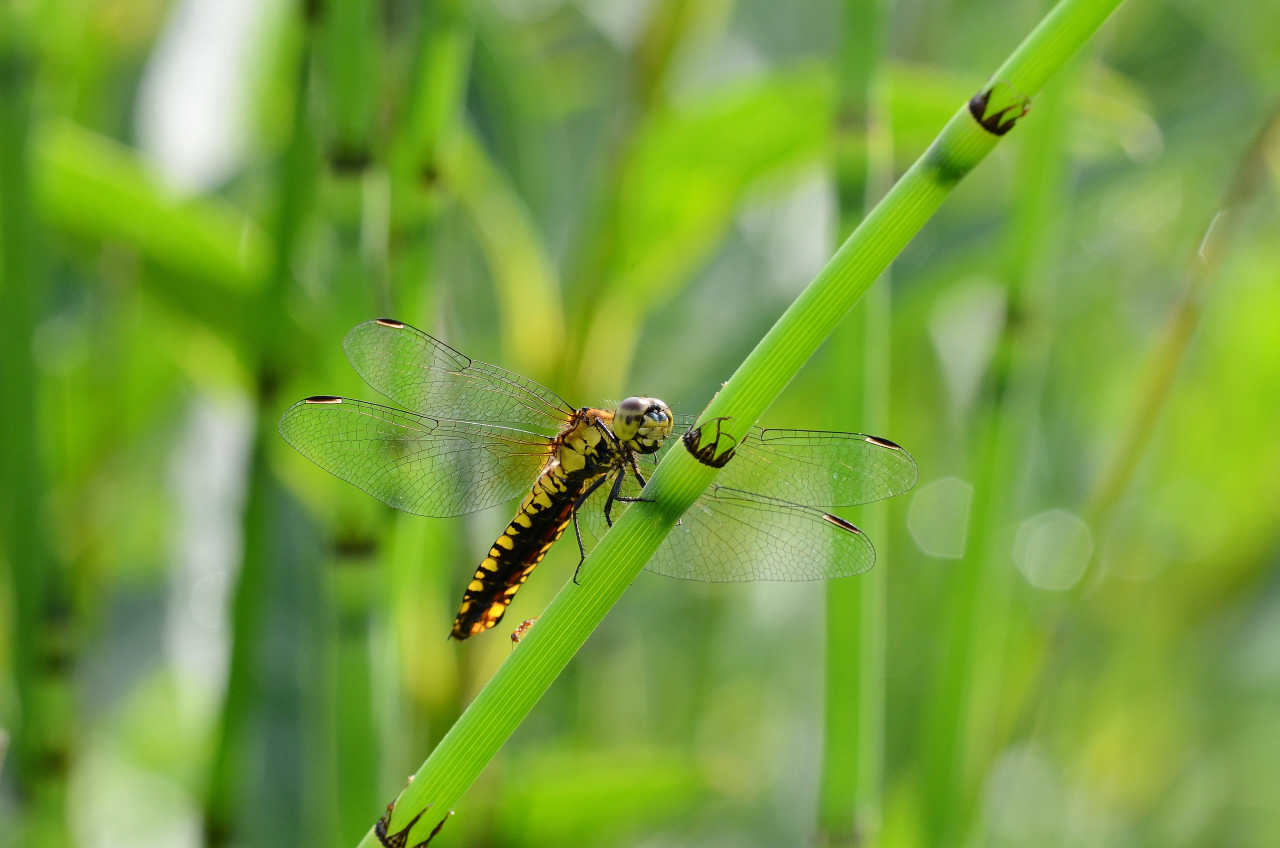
x=426 y=375
x=761 y=519
x=425 y=466
x=815 y=467
x=730 y=536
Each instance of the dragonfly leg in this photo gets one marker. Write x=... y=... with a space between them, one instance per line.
x=608 y=518
x=577 y=530
x=635 y=467
x=614 y=496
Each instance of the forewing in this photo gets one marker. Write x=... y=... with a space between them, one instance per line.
x=426 y=466
x=426 y=375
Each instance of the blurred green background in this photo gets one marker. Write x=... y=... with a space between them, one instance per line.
x=209 y=641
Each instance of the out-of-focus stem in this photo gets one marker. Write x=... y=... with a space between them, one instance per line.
x=41 y=637
x=1184 y=319
x=961 y=734
x=277 y=345
x=851 y=787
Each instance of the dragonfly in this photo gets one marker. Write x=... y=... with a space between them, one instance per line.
x=467 y=436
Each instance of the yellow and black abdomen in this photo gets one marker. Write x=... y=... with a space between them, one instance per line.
x=543 y=516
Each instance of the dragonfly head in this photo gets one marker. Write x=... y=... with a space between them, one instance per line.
x=642 y=423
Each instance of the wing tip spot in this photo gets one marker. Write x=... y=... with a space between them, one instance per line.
x=323 y=399
x=390 y=322
x=884 y=443
x=841 y=523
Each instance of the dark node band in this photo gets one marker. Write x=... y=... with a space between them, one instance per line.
x=1002 y=120
x=710 y=454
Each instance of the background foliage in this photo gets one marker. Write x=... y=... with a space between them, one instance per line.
x=213 y=642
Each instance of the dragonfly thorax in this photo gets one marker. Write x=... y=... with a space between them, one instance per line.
x=642 y=423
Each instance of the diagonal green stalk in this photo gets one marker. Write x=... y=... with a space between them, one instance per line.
x=570 y=618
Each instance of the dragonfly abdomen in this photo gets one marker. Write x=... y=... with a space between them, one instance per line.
x=543 y=516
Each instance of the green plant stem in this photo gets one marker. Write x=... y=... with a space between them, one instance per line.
x=41 y=633
x=355 y=582
x=1184 y=319
x=590 y=281
x=348 y=46
x=347 y=51
x=680 y=479
x=275 y=346
x=525 y=279
x=850 y=791
x=964 y=707
x=1154 y=387
x=422 y=182
x=355 y=562
x=435 y=93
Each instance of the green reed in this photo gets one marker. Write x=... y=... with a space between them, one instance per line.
x=680 y=479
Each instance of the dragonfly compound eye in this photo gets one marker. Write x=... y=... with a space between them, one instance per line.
x=629 y=417
x=654 y=426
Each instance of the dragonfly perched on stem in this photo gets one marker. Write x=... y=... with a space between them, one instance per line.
x=472 y=435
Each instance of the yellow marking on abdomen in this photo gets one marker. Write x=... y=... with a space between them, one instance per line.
x=546 y=511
